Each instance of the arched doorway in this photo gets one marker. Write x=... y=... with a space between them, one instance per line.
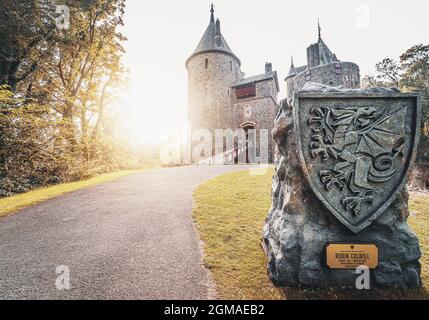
x=249 y=147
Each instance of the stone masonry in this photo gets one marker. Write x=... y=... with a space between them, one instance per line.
x=322 y=67
x=221 y=97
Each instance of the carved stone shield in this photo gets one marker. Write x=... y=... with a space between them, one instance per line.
x=356 y=150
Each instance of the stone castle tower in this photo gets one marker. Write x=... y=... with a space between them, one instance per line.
x=220 y=97
x=322 y=67
x=211 y=69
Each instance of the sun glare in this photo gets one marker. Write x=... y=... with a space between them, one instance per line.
x=143 y=117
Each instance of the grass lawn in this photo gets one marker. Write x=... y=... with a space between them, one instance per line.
x=419 y=221
x=18 y=202
x=230 y=212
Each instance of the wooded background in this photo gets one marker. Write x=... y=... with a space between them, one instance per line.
x=410 y=73
x=56 y=86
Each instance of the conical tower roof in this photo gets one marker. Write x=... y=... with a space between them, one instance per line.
x=292 y=70
x=213 y=40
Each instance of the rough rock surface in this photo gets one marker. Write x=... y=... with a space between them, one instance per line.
x=299 y=227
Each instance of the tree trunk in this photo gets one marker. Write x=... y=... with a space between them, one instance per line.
x=419 y=180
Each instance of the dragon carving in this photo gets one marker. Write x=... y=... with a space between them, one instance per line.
x=362 y=144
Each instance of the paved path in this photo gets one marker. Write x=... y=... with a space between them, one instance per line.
x=129 y=239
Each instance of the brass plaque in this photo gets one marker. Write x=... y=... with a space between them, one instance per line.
x=351 y=256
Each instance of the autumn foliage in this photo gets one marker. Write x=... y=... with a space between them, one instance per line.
x=57 y=87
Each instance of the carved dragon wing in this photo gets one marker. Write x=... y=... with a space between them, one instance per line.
x=383 y=135
x=343 y=116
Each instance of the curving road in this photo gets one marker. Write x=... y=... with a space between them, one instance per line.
x=133 y=238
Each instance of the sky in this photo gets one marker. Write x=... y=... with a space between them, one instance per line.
x=162 y=34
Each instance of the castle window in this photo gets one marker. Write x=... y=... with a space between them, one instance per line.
x=230 y=65
x=207 y=63
x=246 y=91
x=338 y=68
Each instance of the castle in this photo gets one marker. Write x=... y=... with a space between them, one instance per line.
x=322 y=67
x=221 y=97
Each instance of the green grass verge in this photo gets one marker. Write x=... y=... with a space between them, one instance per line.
x=230 y=212
x=16 y=203
x=419 y=221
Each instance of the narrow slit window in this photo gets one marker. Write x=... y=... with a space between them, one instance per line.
x=207 y=63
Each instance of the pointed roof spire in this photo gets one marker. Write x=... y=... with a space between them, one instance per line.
x=213 y=39
x=292 y=70
x=212 y=19
x=319 y=53
x=319 y=29
x=218 y=32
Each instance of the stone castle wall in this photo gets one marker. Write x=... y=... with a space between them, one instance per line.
x=259 y=111
x=209 y=95
x=345 y=74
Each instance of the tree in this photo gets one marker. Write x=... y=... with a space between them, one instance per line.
x=415 y=62
x=84 y=66
x=370 y=81
x=55 y=88
x=389 y=71
x=28 y=35
x=31 y=152
x=410 y=74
